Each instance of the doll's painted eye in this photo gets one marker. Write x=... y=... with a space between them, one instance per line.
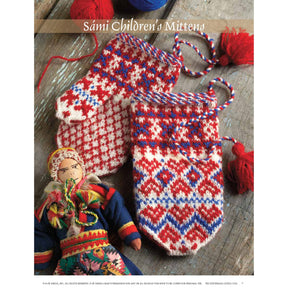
x=63 y=170
x=75 y=165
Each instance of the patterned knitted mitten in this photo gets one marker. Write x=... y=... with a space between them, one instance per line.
x=177 y=160
x=95 y=111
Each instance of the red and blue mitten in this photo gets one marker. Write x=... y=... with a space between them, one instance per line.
x=95 y=110
x=177 y=167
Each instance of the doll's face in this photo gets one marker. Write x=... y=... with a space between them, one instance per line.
x=69 y=168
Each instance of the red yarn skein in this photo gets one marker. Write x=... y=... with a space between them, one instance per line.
x=241 y=170
x=92 y=9
x=238 y=48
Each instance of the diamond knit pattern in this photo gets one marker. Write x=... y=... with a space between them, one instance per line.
x=95 y=111
x=179 y=200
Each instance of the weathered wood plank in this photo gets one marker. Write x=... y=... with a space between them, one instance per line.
x=43 y=7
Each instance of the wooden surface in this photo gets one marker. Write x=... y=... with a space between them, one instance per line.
x=232 y=250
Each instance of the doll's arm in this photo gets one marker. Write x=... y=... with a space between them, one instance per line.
x=136 y=244
x=44 y=243
x=115 y=212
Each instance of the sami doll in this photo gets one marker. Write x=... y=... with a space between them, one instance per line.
x=76 y=216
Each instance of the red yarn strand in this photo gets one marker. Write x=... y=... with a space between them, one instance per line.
x=67 y=59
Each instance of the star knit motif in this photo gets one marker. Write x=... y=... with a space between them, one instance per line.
x=94 y=112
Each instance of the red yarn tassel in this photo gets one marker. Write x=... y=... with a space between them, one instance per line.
x=241 y=170
x=238 y=48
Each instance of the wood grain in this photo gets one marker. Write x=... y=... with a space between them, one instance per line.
x=43 y=7
x=232 y=250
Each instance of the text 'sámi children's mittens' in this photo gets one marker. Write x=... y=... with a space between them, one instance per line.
x=177 y=167
x=95 y=110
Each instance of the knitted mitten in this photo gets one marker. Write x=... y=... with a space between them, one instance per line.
x=95 y=110
x=177 y=167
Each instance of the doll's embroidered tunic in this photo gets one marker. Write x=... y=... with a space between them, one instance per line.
x=85 y=247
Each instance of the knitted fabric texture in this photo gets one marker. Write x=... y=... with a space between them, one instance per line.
x=95 y=110
x=177 y=167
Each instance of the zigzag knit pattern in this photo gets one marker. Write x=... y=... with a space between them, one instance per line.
x=177 y=169
x=95 y=110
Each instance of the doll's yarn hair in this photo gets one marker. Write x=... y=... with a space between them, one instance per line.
x=55 y=158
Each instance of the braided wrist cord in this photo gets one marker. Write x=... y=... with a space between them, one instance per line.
x=228 y=138
x=236 y=48
x=71 y=205
x=211 y=62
